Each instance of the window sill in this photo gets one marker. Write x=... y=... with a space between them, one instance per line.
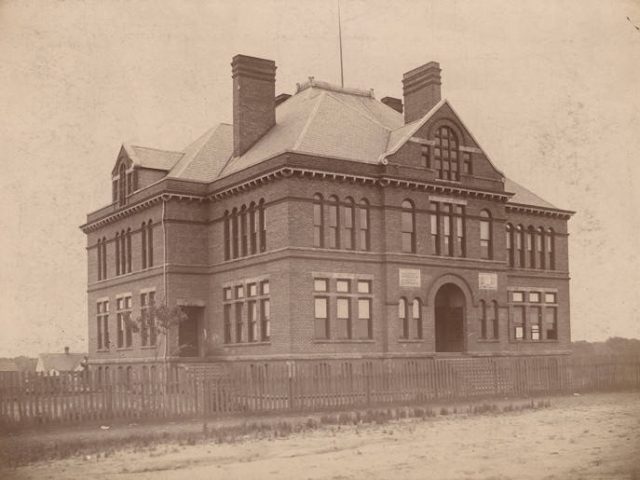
x=533 y=341
x=248 y=344
x=148 y=347
x=488 y=340
x=124 y=349
x=410 y=340
x=345 y=340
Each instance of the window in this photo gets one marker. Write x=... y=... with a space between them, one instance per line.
x=123 y=252
x=408 y=227
x=148 y=330
x=234 y=232
x=320 y=285
x=435 y=227
x=239 y=322
x=334 y=222
x=122 y=184
x=104 y=257
x=227 y=236
x=467 y=166
x=253 y=228
x=253 y=321
x=244 y=244
x=425 y=156
x=364 y=318
x=364 y=286
x=239 y=291
x=255 y=297
x=486 y=248
x=348 y=215
x=531 y=253
x=518 y=322
x=265 y=319
x=551 y=260
x=150 y=243
x=343 y=307
x=102 y=321
x=509 y=242
x=99 y=258
x=416 y=313
x=534 y=297
x=483 y=320
x=227 y=293
x=264 y=287
x=540 y=248
x=517 y=296
x=227 y=323
x=520 y=246
x=321 y=317
x=363 y=225
x=496 y=320
x=318 y=221
x=550 y=298
x=446 y=219
x=404 y=320
x=128 y=250
x=535 y=321
x=343 y=286
x=262 y=224
x=446 y=154
x=460 y=249
x=117 y=257
x=123 y=317
x=252 y=289
x=143 y=233
x=551 y=323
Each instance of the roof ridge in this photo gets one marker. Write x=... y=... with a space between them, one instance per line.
x=156 y=149
x=373 y=120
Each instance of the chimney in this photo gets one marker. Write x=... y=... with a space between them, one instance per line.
x=66 y=350
x=283 y=97
x=394 y=103
x=254 y=92
x=421 y=88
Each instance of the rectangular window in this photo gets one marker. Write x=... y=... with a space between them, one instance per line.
x=485 y=239
x=125 y=330
x=265 y=319
x=426 y=159
x=416 y=314
x=227 y=293
x=321 y=311
x=460 y=231
x=252 y=313
x=102 y=325
x=435 y=228
x=239 y=322
x=518 y=322
x=364 y=318
x=535 y=320
x=343 y=317
x=551 y=323
x=446 y=218
x=517 y=296
x=550 y=298
x=240 y=291
x=364 y=286
x=264 y=287
x=144 y=331
x=320 y=284
x=534 y=297
x=343 y=286
x=227 y=323
x=252 y=289
x=466 y=163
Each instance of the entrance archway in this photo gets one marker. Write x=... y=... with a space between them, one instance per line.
x=449 y=316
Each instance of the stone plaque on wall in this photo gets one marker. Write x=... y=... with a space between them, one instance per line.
x=409 y=277
x=487 y=281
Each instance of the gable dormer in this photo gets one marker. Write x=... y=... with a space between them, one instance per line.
x=124 y=178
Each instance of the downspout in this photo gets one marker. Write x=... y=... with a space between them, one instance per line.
x=164 y=248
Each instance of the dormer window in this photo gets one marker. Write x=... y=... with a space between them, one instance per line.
x=124 y=184
x=446 y=155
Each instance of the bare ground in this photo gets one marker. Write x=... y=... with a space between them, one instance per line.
x=581 y=437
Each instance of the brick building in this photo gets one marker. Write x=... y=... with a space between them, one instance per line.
x=326 y=224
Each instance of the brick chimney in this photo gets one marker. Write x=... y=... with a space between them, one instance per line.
x=66 y=350
x=421 y=88
x=254 y=107
x=392 y=102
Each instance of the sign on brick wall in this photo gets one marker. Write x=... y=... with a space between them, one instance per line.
x=487 y=281
x=409 y=277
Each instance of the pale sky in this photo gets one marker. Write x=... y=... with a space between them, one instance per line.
x=551 y=89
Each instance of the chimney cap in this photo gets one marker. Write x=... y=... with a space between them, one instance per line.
x=259 y=68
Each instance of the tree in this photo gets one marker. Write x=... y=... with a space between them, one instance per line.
x=157 y=321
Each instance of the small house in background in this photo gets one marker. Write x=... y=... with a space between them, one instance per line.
x=57 y=363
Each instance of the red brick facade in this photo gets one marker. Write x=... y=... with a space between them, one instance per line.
x=189 y=266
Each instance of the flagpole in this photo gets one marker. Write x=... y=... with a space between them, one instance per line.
x=340 y=38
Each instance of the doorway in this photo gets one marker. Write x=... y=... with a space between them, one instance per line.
x=188 y=332
x=449 y=313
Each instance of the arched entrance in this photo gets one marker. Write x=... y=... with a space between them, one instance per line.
x=449 y=313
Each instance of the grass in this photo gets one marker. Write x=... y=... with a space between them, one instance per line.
x=16 y=449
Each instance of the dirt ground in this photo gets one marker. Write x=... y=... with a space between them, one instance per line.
x=580 y=437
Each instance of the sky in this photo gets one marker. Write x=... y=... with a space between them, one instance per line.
x=550 y=88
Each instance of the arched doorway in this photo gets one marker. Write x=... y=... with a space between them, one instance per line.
x=449 y=313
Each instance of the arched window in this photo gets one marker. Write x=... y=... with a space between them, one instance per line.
x=235 y=237
x=262 y=225
x=540 y=248
x=117 y=257
x=334 y=222
x=104 y=257
x=348 y=214
x=243 y=231
x=445 y=154
x=150 y=243
x=318 y=221
x=404 y=319
x=551 y=253
x=253 y=228
x=520 y=246
x=486 y=247
x=128 y=250
x=408 y=227
x=531 y=252
x=227 y=235
x=123 y=252
x=143 y=231
x=416 y=311
x=363 y=224
x=496 y=320
x=99 y=259
x=509 y=242
x=483 y=320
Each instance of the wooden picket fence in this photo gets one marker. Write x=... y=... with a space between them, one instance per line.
x=209 y=390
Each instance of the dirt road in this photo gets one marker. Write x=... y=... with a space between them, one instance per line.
x=586 y=437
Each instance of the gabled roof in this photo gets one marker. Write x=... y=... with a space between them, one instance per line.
x=522 y=196
x=61 y=362
x=153 y=158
